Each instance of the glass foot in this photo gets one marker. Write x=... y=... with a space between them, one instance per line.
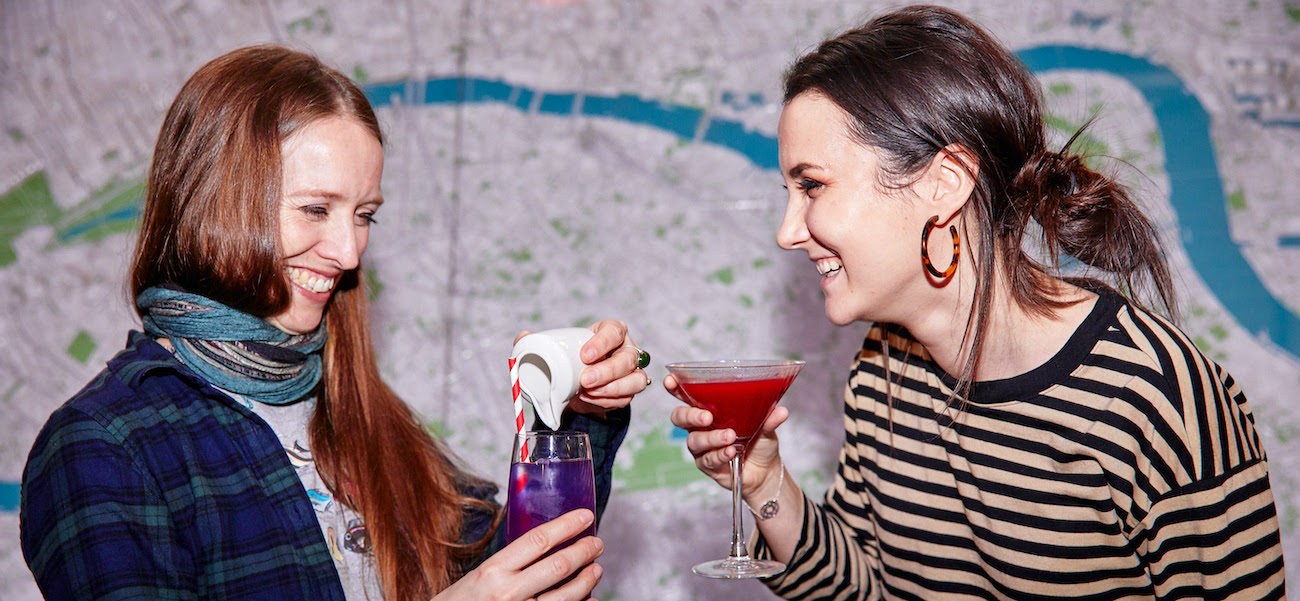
x=739 y=567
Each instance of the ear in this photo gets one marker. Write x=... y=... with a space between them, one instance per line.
x=949 y=181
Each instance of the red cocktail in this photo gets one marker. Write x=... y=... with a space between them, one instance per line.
x=740 y=395
x=741 y=405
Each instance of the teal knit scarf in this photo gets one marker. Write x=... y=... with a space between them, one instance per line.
x=233 y=350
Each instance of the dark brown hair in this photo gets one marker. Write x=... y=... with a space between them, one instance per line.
x=923 y=79
x=210 y=225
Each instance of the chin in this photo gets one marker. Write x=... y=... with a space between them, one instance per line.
x=839 y=318
x=296 y=325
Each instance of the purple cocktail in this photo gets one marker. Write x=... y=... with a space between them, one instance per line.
x=546 y=489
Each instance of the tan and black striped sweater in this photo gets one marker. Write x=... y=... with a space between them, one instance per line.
x=1126 y=467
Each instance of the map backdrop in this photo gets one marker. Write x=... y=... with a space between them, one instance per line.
x=553 y=162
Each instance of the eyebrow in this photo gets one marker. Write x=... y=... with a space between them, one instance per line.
x=797 y=170
x=313 y=193
x=326 y=194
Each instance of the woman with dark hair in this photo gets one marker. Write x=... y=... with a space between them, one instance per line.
x=244 y=445
x=1010 y=432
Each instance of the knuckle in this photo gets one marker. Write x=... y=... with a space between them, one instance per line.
x=559 y=565
x=538 y=539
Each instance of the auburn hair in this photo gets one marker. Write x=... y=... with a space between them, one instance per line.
x=924 y=79
x=210 y=225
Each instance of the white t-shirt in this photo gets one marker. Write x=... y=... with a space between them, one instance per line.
x=343 y=529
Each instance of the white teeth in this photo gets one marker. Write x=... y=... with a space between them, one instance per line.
x=829 y=266
x=305 y=279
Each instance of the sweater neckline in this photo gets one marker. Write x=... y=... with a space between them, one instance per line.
x=1053 y=371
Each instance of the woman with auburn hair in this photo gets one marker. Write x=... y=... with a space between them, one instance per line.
x=244 y=445
x=1010 y=432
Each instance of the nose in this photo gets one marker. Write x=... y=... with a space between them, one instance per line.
x=794 y=229
x=344 y=244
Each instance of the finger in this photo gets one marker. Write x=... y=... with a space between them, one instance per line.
x=716 y=462
x=567 y=562
x=671 y=385
x=625 y=387
x=774 y=421
x=690 y=418
x=597 y=405
x=620 y=364
x=670 y=382
x=699 y=443
x=609 y=335
x=581 y=585
x=520 y=335
x=535 y=543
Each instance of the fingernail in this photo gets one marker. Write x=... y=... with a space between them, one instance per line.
x=588 y=377
x=600 y=544
x=587 y=516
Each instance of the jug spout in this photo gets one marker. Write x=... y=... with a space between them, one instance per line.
x=538 y=388
x=548 y=369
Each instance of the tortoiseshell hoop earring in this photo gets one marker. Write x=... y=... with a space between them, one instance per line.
x=925 y=251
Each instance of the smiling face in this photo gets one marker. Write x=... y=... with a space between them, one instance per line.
x=332 y=169
x=861 y=235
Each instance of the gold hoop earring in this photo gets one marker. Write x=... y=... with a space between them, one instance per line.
x=925 y=250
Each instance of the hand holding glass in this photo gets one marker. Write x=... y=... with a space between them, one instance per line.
x=740 y=395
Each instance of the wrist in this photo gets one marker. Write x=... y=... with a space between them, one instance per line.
x=765 y=501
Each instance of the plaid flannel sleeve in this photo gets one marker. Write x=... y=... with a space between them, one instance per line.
x=606 y=434
x=93 y=525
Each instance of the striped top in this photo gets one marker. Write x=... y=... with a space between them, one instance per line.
x=1126 y=467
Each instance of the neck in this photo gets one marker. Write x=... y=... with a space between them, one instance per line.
x=1015 y=340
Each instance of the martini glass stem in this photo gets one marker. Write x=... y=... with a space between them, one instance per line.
x=738 y=550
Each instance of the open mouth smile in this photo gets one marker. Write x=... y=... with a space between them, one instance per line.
x=310 y=281
x=829 y=266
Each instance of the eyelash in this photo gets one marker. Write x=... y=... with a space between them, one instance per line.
x=319 y=212
x=808 y=185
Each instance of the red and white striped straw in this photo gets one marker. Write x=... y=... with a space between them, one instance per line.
x=519 y=408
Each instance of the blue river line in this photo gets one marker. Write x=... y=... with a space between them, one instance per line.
x=1196 y=190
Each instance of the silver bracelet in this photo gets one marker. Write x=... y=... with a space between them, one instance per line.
x=770 y=508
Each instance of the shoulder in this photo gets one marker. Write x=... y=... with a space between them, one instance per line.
x=1174 y=391
x=143 y=375
x=141 y=395
x=1145 y=345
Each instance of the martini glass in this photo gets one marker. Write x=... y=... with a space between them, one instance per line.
x=740 y=394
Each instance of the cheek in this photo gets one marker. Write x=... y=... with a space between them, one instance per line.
x=294 y=238
x=828 y=225
x=363 y=240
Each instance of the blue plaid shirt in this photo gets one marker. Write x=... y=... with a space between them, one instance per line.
x=152 y=484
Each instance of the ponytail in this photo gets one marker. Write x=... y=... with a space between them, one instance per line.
x=1089 y=217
